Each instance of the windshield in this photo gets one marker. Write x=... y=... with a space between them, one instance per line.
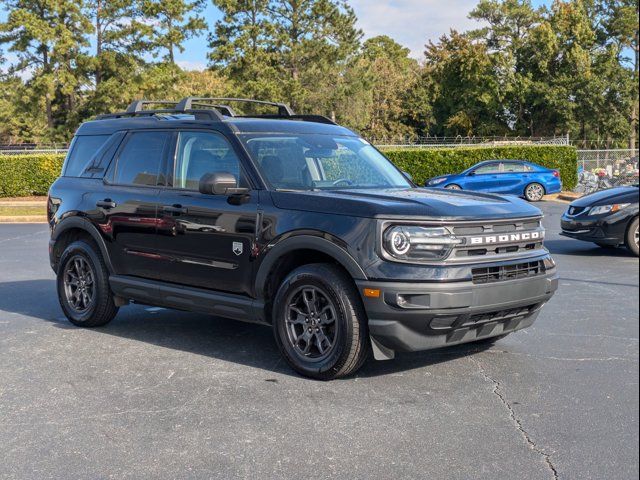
x=316 y=162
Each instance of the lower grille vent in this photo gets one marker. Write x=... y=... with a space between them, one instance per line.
x=507 y=272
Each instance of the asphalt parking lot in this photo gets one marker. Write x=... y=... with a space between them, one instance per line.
x=164 y=394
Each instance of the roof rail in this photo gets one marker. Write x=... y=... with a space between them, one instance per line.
x=210 y=108
x=209 y=114
x=138 y=105
x=186 y=103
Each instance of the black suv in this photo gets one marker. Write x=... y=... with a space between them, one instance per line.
x=291 y=221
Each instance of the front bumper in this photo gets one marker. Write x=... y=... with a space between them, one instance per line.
x=608 y=230
x=414 y=316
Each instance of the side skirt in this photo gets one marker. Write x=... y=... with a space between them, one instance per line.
x=152 y=292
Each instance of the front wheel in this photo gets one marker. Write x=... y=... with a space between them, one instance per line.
x=453 y=186
x=83 y=286
x=534 y=192
x=319 y=322
x=632 y=237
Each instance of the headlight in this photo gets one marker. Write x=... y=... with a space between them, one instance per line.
x=602 y=209
x=437 y=181
x=414 y=243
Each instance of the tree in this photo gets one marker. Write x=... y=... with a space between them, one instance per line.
x=170 y=23
x=314 y=39
x=118 y=31
x=468 y=97
x=380 y=82
x=241 y=47
x=47 y=38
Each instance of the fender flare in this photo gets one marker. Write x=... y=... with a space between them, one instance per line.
x=85 y=225
x=305 y=242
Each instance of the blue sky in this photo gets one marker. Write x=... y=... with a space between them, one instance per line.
x=410 y=22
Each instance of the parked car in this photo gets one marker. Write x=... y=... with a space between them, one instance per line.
x=289 y=221
x=507 y=177
x=608 y=218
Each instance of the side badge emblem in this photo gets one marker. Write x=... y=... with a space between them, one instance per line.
x=237 y=248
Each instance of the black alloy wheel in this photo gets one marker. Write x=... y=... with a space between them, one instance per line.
x=79 y=285
x=319 y=322
x=83 y=285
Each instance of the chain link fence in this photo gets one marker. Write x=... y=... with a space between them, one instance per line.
x=601 y=169
x=460 y=141
x=32 y=148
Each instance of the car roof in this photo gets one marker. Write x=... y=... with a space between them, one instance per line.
x=231 y=125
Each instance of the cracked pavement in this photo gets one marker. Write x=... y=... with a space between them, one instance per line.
x=166 y=394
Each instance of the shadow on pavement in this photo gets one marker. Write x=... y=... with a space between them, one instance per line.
x=584 y=249
x=228 y=340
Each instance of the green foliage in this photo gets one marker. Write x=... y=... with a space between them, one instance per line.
x=568 y=67
x=25 y=175
x=425 y=163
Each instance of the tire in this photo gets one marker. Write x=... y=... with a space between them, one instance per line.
x=82 y=268
x=631 y=240
x=319 y=322
x=534 y=192
x=453 y=186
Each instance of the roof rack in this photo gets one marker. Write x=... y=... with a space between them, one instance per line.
x=186 y=103
x=210 y=108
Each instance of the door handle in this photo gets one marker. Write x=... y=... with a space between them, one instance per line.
x=175 y=209
x=107 y=203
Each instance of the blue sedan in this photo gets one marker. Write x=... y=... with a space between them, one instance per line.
x=509 y=177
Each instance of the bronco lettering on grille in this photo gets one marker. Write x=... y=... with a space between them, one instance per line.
x=507 y=238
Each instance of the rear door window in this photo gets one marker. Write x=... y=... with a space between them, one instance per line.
x=514 y=168
x=488 y=169
x=141 y=159
x=82 y=151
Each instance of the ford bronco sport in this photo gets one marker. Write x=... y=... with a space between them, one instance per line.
x=290 y=221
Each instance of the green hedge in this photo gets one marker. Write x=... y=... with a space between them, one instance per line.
x=25 y=175
x=424 y=163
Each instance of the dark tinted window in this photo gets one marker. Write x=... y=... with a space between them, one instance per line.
x=140 y=159
x=200 y=153
x=82 y=151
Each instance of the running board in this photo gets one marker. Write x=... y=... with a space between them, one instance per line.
x=152 y=292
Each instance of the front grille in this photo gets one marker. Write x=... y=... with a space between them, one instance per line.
x=499 y=239
x=573 y=211
x=503 y=273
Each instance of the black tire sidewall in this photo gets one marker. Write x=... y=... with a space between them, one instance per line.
x=630 y=240
x=83 y=249
x=344 y=329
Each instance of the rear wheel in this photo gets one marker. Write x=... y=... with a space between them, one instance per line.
x=453 y=186
x=319 y=322
x=534 y=192
x=632 y=237
x=83 y=286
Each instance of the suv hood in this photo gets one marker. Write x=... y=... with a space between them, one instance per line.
x=406 y=202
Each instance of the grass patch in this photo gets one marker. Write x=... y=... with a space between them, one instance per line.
x=22 y=211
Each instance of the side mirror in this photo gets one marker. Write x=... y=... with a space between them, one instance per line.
x=221 y=183
x=471 y=173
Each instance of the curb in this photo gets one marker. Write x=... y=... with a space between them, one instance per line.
x=569 y=196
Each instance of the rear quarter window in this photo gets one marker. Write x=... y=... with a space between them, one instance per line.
x=81 y=153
